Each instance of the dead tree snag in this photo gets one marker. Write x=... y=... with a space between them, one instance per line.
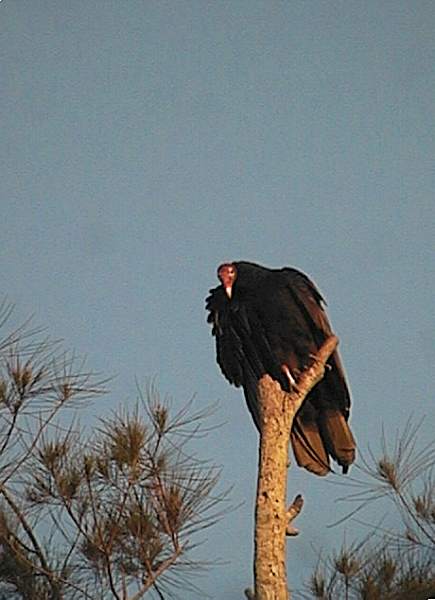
x=272 y=518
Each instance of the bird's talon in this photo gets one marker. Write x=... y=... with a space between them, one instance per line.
x=288 y=374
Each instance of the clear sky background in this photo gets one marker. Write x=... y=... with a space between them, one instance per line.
x=144 y=142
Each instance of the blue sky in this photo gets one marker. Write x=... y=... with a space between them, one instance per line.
x=145 y=142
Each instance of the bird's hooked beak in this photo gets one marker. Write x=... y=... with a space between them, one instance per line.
x=227 y=274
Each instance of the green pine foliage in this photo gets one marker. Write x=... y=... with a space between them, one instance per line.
x=389 y=564
x=113 y=513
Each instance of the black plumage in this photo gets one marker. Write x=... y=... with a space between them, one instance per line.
x=272 y=321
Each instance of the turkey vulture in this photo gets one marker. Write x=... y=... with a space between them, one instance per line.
x=273 y=321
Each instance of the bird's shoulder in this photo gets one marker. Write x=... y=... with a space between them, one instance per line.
x=302 y=285
x=266 y=284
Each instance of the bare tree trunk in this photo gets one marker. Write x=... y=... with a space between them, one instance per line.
x=272 y=518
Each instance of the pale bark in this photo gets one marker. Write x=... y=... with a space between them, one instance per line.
x=272 y=518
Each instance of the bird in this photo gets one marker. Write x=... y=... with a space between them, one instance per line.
x=273 y=321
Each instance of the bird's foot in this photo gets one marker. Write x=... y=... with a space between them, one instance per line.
x=315 y=358
x=292 y=381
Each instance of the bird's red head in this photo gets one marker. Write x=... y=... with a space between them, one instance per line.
x=227 y=274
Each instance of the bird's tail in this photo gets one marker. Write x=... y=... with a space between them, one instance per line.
x=337 y=437
x=308 y=447
x=315 y=437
